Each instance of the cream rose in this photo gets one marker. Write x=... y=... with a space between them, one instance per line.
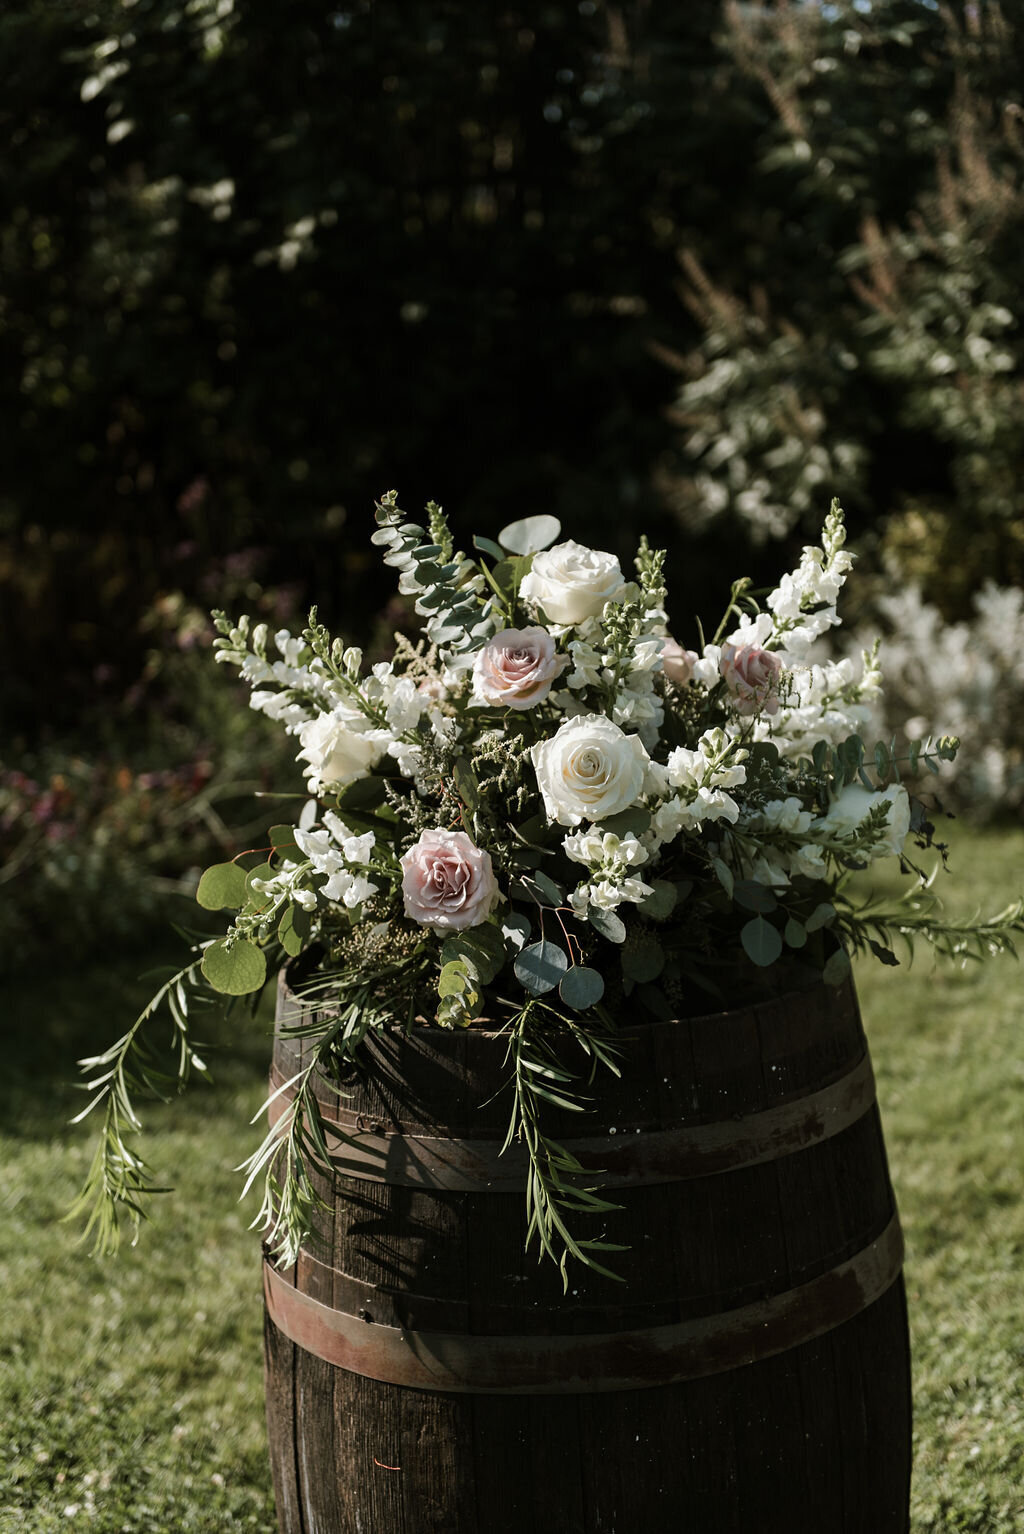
x=588 y=770
x=516 y=668
x=447 y=882
x=752 y=677
x=677 y=663
x=336 y=753
x=571 y=582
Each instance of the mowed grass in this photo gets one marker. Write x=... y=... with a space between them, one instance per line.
x=131 y=1393
x=948 y=1048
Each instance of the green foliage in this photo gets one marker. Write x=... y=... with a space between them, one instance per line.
x=235 y=968
x=224 y=887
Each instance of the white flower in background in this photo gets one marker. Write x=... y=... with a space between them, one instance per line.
x=284 y=886
x=337 y=750
x=571 y=582
x=589 y=769
x=848 y=812
x=516 y=667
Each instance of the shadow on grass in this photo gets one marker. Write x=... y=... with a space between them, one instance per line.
x=51 y=1021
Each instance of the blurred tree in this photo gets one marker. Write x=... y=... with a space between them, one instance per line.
x=265 y=261
x=873 y=345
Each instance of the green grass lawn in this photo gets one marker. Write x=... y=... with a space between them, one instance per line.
x=131 y=1389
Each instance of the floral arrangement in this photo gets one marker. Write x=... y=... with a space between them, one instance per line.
x=544 y=806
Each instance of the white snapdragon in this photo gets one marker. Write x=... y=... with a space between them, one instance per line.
x=823 y=702
x=396 y=697
x=611 y=860
x=284 y=887
x=699 y=779
x=804 y=603
x=274 y=682
x=340 y=854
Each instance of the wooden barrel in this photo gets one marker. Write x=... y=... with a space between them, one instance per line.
x=751 y=1373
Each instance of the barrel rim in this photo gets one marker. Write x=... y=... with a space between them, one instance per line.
x=815 y=986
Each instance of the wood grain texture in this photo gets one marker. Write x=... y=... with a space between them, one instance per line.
x=813 y=1441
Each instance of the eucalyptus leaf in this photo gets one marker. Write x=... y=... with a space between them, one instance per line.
x=761 y=941
x=282 y=838
x=662 y=900
x=724 y=875
x=753 y=896
x=837 y=968
x=294 y=929
x=643 y=960
x=820 y=916
x=635 y=820
x=581 y=988
x=488 y=546
x=607 y=923
x=453 y=979
x=530 y=534
x=540 y=967
x=481 y=949
x=515 y=929
x=222 y=888
x=795 y=933
x=234 y=970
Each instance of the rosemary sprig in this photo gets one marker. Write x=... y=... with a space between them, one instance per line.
x=118 y=1179
x=553 y=1191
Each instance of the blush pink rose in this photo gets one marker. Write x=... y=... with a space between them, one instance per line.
x=677 y=663
x=447 y=882
x=752 y=677
x=516 y=668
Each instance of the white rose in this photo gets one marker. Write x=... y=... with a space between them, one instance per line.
x=572 y=582
x=336 y=753
x=589 y=770
x=852 y=808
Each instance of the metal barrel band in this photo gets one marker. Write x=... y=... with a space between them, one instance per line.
x=625 y=1158
x=575 y=1365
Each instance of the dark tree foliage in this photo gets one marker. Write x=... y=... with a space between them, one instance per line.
x=266 y=261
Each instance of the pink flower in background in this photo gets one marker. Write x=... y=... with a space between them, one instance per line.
x=447 y=882
x=517 y=667
x=677 y=663
x=752 y=677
